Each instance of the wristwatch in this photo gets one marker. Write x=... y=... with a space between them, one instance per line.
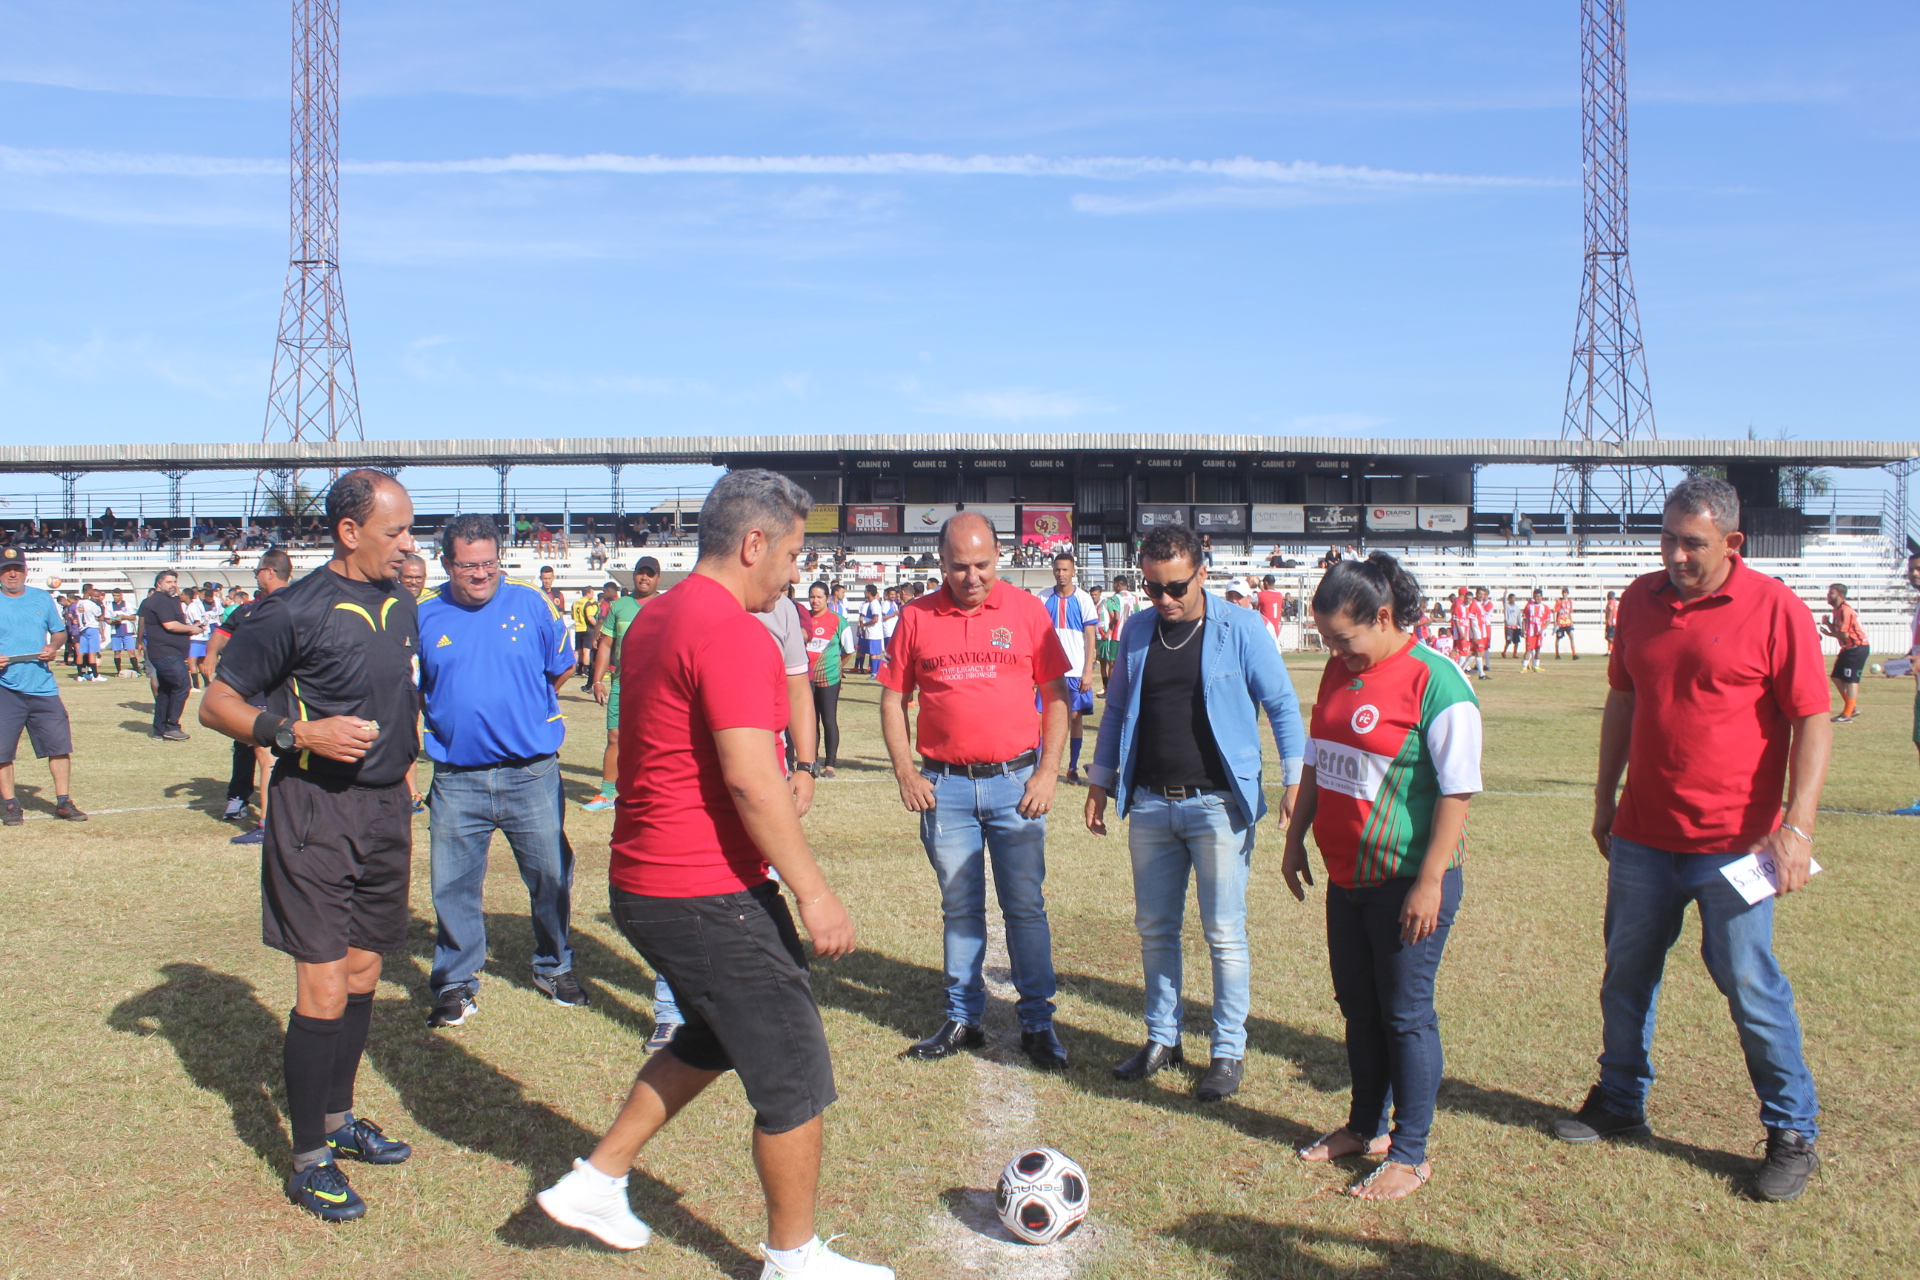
x=808 y=767
x=283 y=736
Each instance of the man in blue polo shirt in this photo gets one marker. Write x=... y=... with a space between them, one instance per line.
x=493 y=656
x=31 y=631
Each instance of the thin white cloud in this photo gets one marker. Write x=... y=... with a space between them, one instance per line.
x=1239 y=169
x=1018 y=404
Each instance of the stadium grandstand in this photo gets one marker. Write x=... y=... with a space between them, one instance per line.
x=1269 y=505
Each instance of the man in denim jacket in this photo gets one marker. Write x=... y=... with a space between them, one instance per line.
x=1179 y=751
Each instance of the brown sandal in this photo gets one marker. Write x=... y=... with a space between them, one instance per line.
x=1376 y=1147
x=1422 y=1173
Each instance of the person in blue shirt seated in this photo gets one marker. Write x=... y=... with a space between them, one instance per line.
x=493 y=655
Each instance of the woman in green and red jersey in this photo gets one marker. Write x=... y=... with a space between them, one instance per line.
x=824 y=628
x=1393 y=757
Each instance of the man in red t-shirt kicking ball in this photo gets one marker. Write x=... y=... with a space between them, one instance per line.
x=1717 y=704
x=703 y=808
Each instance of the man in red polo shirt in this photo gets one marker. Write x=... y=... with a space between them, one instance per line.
x=703 y=808
x=975 y=651
x=1718 y=703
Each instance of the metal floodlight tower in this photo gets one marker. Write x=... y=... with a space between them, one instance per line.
x=314 y=395
x=1608 y=400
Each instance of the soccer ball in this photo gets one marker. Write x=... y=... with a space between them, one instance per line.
x=1876 y=668
x=1042 y=1196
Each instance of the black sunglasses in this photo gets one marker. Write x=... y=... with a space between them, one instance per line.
x=1178 y=590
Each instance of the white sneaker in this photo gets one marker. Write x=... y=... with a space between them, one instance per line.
x=824 y=1264
x=234 y=809
x=576 y=1201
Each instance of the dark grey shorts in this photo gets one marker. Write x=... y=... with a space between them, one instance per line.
x=1849 y=666
x=44 y=717
x=739 y=974
x=335 y=868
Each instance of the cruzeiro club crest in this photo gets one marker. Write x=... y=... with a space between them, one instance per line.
x=1002 y=638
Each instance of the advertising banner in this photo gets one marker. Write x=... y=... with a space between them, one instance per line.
x=1382 y=518
x=925 y=518
x=1332 y=522
x=1279 y=517
x=1444 y=519
x=824 y=518
x=1220 y=518
x=873 y=519
x=1045 y=525
x=1004 y=515
x=1149 y=516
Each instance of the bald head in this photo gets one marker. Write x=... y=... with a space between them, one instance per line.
x=963 y=525
x=969 y=558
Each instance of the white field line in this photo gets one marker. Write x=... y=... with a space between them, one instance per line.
x=1005 y=1118
x=208 y=805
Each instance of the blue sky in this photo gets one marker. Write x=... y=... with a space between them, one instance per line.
x=1307 y=218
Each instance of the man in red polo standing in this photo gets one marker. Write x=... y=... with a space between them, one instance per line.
x=975 y=651
x=1718 y=704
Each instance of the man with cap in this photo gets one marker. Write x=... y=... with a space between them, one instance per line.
x=31 y=632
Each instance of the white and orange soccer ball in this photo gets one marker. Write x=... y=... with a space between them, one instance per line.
x=1042 y=1196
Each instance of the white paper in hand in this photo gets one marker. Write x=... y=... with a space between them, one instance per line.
x=1756 y=878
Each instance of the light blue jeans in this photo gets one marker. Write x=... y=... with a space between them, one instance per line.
x=972 y=819
x=1647 y=895
x=1206 y=836
x=465 y=807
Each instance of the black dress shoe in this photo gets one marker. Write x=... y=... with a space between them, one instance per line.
x=1221 y=1081
x=1043 y=1049
x=1149 y=1060
x=951 y=1038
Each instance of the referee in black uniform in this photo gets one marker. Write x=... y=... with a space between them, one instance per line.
x=333 y=656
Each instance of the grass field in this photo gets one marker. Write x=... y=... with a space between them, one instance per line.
x=142 y=1130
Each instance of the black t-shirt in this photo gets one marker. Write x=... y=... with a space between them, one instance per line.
x=1176 y=738
x=230 y=624
x=331 y=646
x=156 y=609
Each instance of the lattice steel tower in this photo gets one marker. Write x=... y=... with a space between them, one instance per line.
x=1608 y=401
x=314 y=396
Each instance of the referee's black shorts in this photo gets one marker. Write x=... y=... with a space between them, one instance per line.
x=335 y=867
x=739 y=974
x=1851 y=665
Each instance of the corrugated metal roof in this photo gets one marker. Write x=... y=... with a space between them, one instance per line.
x=667 y=450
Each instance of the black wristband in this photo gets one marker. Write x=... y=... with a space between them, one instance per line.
x=265 y=726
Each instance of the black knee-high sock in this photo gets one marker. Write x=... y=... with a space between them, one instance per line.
x=346 y=1055
x=307 y=1059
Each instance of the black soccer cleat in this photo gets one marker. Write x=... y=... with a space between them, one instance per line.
x=322 y=1191
x=364 y=1140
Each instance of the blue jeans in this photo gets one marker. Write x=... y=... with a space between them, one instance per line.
x=523 y=802
x=1385 y=990
x=666 y=1007
x=1167 y=838
x=973 y=818
x=1647 y=895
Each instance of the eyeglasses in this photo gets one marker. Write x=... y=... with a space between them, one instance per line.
x=1178 y=590
x=475 y=566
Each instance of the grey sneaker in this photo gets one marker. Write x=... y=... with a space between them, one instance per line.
x=1790 y=1161
x=1594 y=1121
x=563 y=987
x=662 y=1036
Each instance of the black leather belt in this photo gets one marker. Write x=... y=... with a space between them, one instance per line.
x=1186 y=793
x=1020 y=761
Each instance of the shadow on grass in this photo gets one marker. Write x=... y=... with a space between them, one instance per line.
x=228 y=1042
x=1251 y=1249
x=600 y=967
x=197 y=790
x=473 y=1104
x=907 y=997
x=33 y=799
